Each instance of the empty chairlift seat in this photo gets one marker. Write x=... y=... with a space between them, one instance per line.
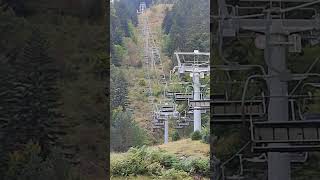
x=167 y=108
x=158 y=123
x=161 y=117
x=179 y=127
x=182 y=96
x=167 y=111
x=183 y=121
x=170 y=94
x=202 y=104
x=225 y=111
x=157 y=127
x=184 y=124
x=287 y=136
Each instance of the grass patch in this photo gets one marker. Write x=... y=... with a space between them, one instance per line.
x=186 y=148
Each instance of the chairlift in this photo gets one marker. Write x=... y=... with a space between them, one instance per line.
x=298 y=134
x=182 y=96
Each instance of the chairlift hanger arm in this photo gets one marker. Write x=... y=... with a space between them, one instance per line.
x=308 y=71
x=236 y=154
x=316 y=85
x=269 y=76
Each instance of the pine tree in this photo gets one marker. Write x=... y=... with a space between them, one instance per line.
x=118 y=89
x=33 y=101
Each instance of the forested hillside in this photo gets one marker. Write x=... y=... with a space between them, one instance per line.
x=54 y=67
x=182 y=28
x=187 y=27
x=125 y=132
x=136 y=147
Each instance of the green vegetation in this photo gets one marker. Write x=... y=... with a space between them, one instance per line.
x=54 y=68
x=29 y=164
x=125 y=132
x=187 y=27
x=176 y=136
x=153 y=162
x=186 y=148
x=196 y=135
x=181 y=159
x=205 y=134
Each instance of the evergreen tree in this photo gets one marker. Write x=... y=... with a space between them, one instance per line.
x=118 y=90
x=125 y=133
x=33 y=99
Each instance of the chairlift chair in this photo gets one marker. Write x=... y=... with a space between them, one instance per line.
x=182 y=96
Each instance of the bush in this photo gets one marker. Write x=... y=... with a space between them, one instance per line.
x=29 y=164
x=120 y=165
x=194 y=165
x=121 y=141
x=175 y=174
x=205 y=135
x=200 y=166
x=196 y=135
x=175 y=136
x=168 y=160
x=154 y=169
x=141 y=161
x=153 y=162
x=142 y=82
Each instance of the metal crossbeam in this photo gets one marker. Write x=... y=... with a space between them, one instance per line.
x=295 y=133
x=157 y=127
x=183 y=124
x=159 y=123
x=287 y=148
x=199 y=104
x=285 y=25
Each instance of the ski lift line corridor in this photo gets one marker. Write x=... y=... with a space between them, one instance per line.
x=152 y=61
x=166 y=109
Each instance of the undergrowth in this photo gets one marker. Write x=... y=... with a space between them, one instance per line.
x=156 y=162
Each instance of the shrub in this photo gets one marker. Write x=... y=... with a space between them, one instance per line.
x=29 y=164
x=140 y=161
x=154 y=169
x=142 y=82
x=175 y=174
x=205 y=135
x=154 y=162
x=168 y=160
x=200 y=166
x=120 y=165
x=196 y=135
x=175 y=136
x=194 y=165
